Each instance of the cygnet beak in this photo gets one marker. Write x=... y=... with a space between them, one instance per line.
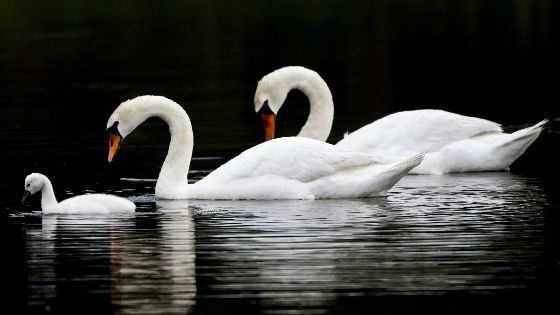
x=26 y=196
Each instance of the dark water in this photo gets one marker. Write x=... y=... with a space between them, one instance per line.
x=445 y=244
x=457 y=243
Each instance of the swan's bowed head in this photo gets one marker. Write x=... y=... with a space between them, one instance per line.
x=126 y=118
x=273 y=89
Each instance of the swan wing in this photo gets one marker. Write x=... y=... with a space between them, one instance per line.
x=416 y=131
x=294 y=158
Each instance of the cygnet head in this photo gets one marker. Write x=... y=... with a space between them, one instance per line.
x=33 y=183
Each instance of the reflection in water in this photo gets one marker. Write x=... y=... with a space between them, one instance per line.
x=133 y=265
x=156 y=270
x=68 y=264
x=453 y=234
x=433 y=235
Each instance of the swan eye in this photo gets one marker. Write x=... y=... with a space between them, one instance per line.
x=27 y=185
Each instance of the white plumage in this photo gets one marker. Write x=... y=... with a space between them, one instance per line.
x=453 y=143
x=90 y=203
x=301 y=168
x=285 y=168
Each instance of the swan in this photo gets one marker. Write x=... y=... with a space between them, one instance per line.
x=453 y=142
x=90 y=203
x=283 y=168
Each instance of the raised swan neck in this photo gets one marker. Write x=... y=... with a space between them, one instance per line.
x=321 y=108
x=172 y=179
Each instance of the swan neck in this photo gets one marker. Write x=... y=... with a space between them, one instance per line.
x=321 y=108
x=48 y=199
x=173 y=173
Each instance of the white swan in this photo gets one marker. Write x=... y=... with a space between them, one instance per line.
x=90 y=203
x=285 y=168
x=454 y=143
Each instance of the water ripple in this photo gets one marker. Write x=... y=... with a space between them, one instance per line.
x=470 y=234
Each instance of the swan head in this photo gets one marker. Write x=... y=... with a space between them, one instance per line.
x=33 y=183
x=269 y=97
x=273 y=89
x=115 y=139
x=124 y=120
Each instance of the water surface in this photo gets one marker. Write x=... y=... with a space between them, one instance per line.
x=465 y=239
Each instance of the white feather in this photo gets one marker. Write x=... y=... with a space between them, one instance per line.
x=85 y=204
x=284 y=168
x=454 y=143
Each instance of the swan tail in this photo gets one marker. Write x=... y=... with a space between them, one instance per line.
x=364 y=181
x=407 y=164
x=517 y=143
x=541 y=124
x=524 y=137
x=528 y=132
x=392 y=173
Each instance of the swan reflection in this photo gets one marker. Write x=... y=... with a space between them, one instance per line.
x=124 y=264
x=431 y=235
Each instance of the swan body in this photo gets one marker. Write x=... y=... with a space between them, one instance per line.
x=453 y=143
x=302 y=168
x=285 y=168
x=90 y=203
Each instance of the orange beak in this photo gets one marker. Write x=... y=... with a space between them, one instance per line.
x=268 y=120
x=114 y=143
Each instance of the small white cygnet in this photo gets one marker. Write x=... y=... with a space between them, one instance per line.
x=90 y=203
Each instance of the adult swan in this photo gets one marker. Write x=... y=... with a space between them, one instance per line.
x=285 y=168
x=454 y=143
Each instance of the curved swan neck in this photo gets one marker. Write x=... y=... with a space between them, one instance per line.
x=173 y=174
x=175 y=168
x=48 y=199
x=321 y=108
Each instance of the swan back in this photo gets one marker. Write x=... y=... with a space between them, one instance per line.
x=95 y=204
x=407 y=132
x=294 y=158
x=300 y=168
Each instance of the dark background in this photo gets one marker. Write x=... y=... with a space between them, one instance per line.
x=65 y=66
